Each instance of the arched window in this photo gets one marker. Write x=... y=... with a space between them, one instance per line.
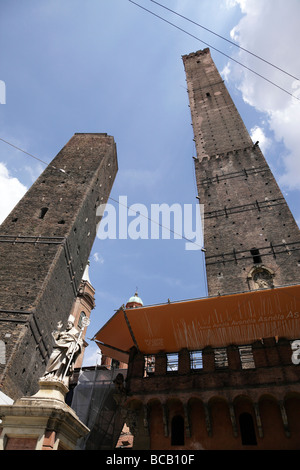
x=263 y=279
x=177 y=431
x=247 y=429
x=81 y=317
x=260 y=277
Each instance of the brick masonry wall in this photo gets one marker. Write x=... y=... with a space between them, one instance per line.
x=41 y=272
x=218 y=127
x=273 y=368
x=212 y=400
x=243 y=205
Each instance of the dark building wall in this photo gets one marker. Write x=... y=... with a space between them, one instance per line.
x=244 y=208
x=218 y=424
x=44 y=254
x=213 y=402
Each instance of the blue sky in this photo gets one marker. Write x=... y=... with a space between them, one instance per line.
x=108 y=66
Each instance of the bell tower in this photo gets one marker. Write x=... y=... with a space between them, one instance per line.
x=250 y=236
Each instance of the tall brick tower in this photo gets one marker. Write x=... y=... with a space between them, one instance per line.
x=251 y=238
x=45 y=243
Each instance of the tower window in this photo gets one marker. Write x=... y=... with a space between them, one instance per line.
x=255 y=255
x=196 y=360
x=246 y=356
x=172 y=362
x=247 y=430
x=115 y=364
x=149 y=365
x=81 y=317
x=43 y=212
x=221 y=358
x=177 y=431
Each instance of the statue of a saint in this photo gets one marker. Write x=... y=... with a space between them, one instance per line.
x=67 y=347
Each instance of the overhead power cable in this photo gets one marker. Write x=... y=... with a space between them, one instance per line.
x=108 y=196
x=215 y=49
x=30 y=155
x=226 y=39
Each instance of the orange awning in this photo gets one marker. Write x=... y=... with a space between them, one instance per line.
x=194 y=324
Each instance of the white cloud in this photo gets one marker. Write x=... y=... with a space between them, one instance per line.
x=11 y=191
x=271 y=30
x=257 y=134
x=233 y=3
x=225 y=73
x=98 y=258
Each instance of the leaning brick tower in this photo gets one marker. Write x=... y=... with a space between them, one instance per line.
x=250 y=236
x=45 y=243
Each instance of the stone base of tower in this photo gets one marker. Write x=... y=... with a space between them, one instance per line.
x=41 y=422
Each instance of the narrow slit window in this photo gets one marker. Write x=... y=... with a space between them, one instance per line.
x=255 y=255
x=43 y=212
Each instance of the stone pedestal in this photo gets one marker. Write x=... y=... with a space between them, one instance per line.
x=41 y=422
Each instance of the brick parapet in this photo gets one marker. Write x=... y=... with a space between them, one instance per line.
x=273 y=366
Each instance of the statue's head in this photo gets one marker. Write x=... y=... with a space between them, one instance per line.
x=70 y=325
